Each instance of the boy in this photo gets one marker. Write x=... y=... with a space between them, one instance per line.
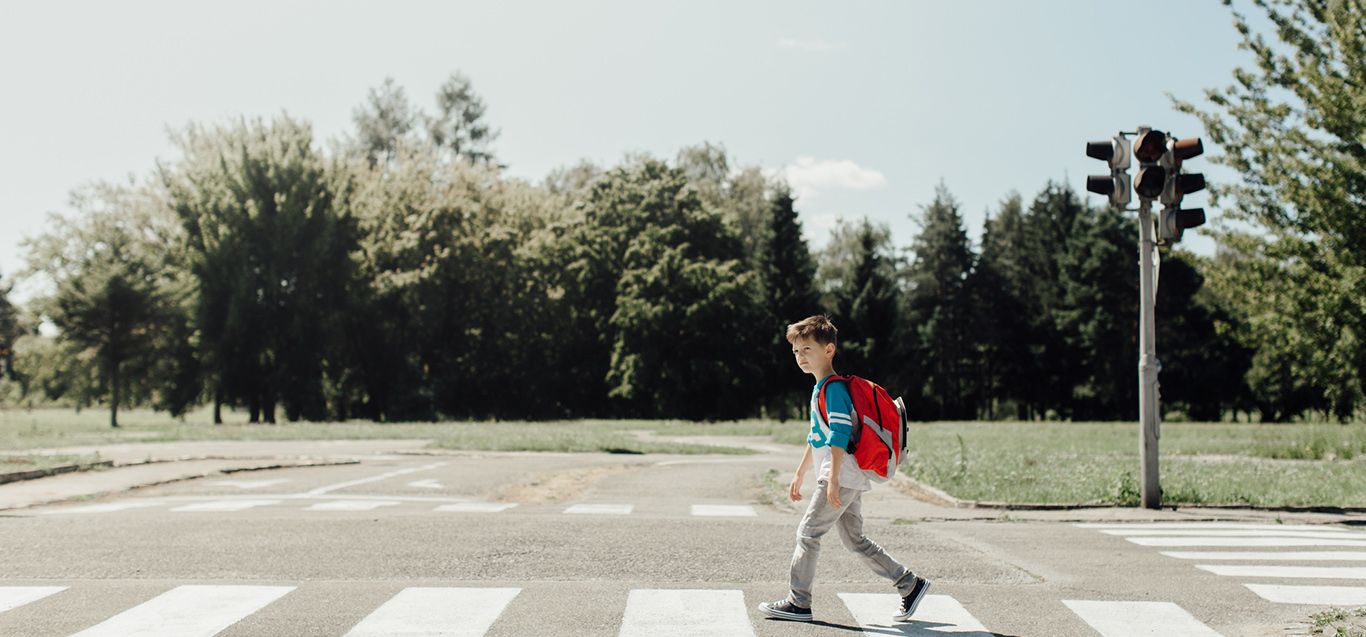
x=839 y=488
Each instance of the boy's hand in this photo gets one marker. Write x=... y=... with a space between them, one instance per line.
x=794 y=490
x=832 y=493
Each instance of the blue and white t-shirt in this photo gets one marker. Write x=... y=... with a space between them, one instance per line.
x=840 y=409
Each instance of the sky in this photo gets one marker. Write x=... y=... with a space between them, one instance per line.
x=865 y=106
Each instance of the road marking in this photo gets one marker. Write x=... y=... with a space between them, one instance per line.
x=685 y=613
x=382 y=476
x=476 y=507
x=1210 y=525
x=1271 y=556
x=1241 y=541
x=188 y=611
x=1300 y=572
x=351 y=505
x=601 y=509
x=437 y=612
x=107 y=507
x=249 y=484
x=936 y=614
x=12 y=597
x=1134 y=619
x=425 y=484
x=1314 y=595
x=724 y=510
x=224 y=505
x=1330 y=535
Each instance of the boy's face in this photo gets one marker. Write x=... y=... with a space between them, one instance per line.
x=812 y=356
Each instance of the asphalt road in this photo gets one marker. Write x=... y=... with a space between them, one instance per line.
x=597 y=544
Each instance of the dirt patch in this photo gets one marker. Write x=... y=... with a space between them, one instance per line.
x=558 y=487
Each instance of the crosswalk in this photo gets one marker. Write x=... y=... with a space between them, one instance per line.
x=323 y=504
x=1264 y=571
x=201 y=610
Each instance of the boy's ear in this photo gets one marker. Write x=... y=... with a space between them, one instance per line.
x=830 y=349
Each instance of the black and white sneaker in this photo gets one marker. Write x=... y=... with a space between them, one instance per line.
x=912 y=599
x=785 y=609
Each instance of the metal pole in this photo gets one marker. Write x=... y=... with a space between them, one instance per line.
x=1148 y=366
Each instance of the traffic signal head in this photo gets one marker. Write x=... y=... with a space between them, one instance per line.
x=1177 y=184
x=1173 y=221
x=1149 y=149
x=1116 y=186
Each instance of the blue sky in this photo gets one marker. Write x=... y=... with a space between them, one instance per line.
x=866 y=106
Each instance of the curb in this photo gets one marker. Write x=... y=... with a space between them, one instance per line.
x=143 y=485
x=924 y=492
x=34 y=474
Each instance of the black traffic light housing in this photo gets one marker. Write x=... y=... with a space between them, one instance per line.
x=1173 y=220
x=1116 y=186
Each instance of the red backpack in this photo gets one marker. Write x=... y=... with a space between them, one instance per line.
x=879 y=439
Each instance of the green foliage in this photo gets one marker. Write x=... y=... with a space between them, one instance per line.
x=940 y=314
x=1294 y=127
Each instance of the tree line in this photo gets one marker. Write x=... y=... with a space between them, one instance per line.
x=401 y=274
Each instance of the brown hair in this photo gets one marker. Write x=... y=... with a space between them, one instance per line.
x=816 y=327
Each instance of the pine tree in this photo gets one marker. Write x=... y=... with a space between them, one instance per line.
x=940 y=312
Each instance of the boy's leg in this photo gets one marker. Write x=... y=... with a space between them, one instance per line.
x=817 y=520
x=851 y=533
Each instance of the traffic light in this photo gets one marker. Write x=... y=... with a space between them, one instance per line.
x=1149 y=149
x=1116 y=185
x=1173 y=220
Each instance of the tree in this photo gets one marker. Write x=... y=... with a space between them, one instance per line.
x=940 y=313
x=9 y=331
x=107 y=304
x=1294 y=130
x=654 y=283
x=458 y=126
x=788 y=280
x=1005 y=334
x=866 y=306
x=383 y=122
x=271 y=258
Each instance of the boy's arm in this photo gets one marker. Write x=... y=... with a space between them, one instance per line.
x=839 y=407
x=794 y=490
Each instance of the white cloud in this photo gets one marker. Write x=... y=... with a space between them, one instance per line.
x=808 y=176
x=809 y=45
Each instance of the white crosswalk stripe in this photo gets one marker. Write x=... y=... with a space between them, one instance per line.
x=204 y=610
x=723 y=510
x=1139 y=619
x=937 y=614
x=1313 y=595
x=686 y=613
x=476 y=507
x=600 y=509
x=1270 y=556
x=1299 y=572
x=16 y=596
x=437 y=612
x=224 y=505
x=1275 y=563
x=188 y=611
x=351 y=505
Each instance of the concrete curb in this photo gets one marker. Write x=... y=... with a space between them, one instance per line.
x=34 y=474
x=280 y=463
x=926 y=493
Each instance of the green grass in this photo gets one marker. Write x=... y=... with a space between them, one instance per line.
x=1199 y=463
x=21 y=430
x=1339 y=622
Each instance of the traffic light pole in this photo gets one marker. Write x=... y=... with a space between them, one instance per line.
x=1148 y=365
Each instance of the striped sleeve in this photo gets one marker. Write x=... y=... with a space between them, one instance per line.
x=839 y=408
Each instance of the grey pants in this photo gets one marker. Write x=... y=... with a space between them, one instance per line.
x=819 y=517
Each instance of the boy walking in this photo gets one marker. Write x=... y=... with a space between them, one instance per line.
x=839 y=487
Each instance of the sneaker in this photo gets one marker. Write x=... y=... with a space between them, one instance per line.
x=785 y=609
x=912 y=599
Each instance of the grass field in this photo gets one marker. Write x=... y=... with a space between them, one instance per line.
x=1056 y=463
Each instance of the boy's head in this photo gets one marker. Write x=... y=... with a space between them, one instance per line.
x=813 y=343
